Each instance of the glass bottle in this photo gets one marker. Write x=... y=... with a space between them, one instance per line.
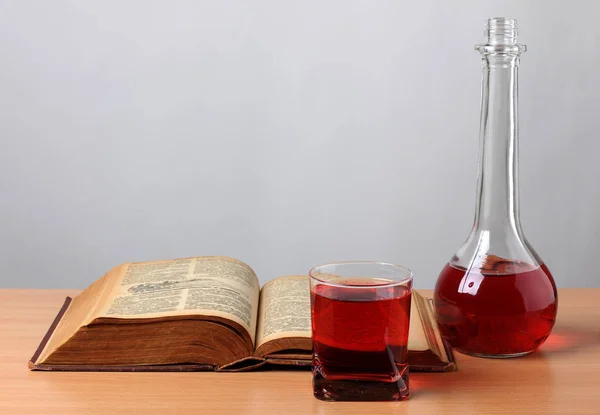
x=496 y=298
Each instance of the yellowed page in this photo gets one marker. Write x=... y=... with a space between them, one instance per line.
x=285 y=312
x=417 y=340
x=83 y=309
x=214 y=286
x=284 y=309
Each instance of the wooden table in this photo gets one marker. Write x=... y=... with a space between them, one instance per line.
x=563 y=377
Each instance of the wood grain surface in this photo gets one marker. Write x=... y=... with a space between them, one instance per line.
x=563 y=377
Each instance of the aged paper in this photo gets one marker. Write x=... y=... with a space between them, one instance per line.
x=284 y=309
x=421 y=320
x=216 y=286
x=285 y=312
x=82 y=310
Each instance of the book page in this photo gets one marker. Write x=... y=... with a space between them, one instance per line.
x=417 y=339
x=424 y=332
x=83 y=309
x=284 y=309
x=285 y=312
x=213 y=286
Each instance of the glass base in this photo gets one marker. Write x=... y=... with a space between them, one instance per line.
x=360 y=390
x=494 y=356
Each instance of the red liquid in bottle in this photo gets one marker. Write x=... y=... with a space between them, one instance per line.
x=506 y=309
x=359 y=341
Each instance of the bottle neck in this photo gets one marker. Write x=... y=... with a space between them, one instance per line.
x=497 y=207
x=496 y=238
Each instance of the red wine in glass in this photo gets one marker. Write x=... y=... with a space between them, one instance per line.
x=360 y=335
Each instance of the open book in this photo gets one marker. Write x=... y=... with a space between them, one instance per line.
x=202 y=313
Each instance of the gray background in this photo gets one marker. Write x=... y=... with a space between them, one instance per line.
x=285 y=134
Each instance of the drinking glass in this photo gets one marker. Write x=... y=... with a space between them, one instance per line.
x=360 y=319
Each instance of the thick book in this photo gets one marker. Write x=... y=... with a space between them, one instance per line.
x=201 y=313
